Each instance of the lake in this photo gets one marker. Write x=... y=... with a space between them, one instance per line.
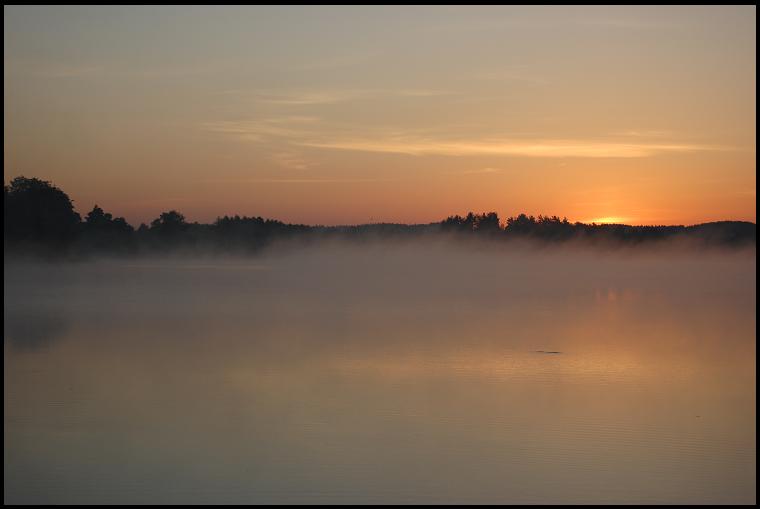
x=383 y=374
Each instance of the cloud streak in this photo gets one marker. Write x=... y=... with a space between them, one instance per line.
x=291 y=161
x=506 y=147
x=311 y=132
x=330 y=96
x=300 y=180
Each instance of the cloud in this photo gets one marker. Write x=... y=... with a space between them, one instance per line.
x=291 y=161
x=645 y=133
x=311 y=132
x=300 y=180
x=288 y=127
x=506 y=147
x=329 y=96
x=308 y=98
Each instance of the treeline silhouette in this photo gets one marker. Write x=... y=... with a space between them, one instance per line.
x=40 y=219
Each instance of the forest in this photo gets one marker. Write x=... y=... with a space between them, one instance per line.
x=40 y=220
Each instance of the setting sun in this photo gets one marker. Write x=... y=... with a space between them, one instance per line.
x=608 y=220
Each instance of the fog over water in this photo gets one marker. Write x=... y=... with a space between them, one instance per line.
x=383 y=372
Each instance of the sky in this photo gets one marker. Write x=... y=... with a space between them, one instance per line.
x=343 y=115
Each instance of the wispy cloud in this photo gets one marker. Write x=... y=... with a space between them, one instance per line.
x=306 y=98
x=299 y=180
x=291 y=161
x=329 y=96
x=501 y=147
x=643 y=133
x=287 y=127
x=313 y=133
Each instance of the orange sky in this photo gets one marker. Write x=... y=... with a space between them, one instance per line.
x=335 y=115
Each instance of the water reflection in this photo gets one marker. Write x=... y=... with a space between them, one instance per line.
x=33 y=329
x=320 y=381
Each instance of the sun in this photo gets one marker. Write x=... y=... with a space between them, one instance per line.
x=607 y=220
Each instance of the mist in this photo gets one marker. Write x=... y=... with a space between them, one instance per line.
x=386 y=371
x=415 y=274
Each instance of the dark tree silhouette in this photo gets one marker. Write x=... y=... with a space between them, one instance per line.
x=39 y=216
x=169 y=223
x=481 y=223
x=455 y=224
x=167 y=231
x=487 y=223
x=520 y=225
x=97 y=220
x=250 y=233
x=38 y=213
x=104 y=233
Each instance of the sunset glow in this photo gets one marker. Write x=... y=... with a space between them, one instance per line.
x=380 y=255
x=606 y=220
x=318 y=115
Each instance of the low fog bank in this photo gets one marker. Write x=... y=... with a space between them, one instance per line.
x=333 y=298
x=702 y=239
x=373 y=279
x=377 y=270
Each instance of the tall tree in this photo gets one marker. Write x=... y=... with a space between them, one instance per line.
x=37 y=212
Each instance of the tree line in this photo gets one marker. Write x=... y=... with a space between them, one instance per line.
x=40 y=218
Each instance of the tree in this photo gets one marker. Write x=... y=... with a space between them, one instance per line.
x=521 y=224
x=102 y=232
x=487 y=223
x=97 y=219
x=37 y=212
x=169 y=223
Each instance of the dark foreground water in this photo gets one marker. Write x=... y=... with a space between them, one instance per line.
x=383 y=375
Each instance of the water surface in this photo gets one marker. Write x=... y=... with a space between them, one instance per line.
x=376 y=374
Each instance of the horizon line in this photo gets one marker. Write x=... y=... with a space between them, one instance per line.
x=502 y=222
x=600 y=221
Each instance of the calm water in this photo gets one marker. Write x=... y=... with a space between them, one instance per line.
x=383 y=375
